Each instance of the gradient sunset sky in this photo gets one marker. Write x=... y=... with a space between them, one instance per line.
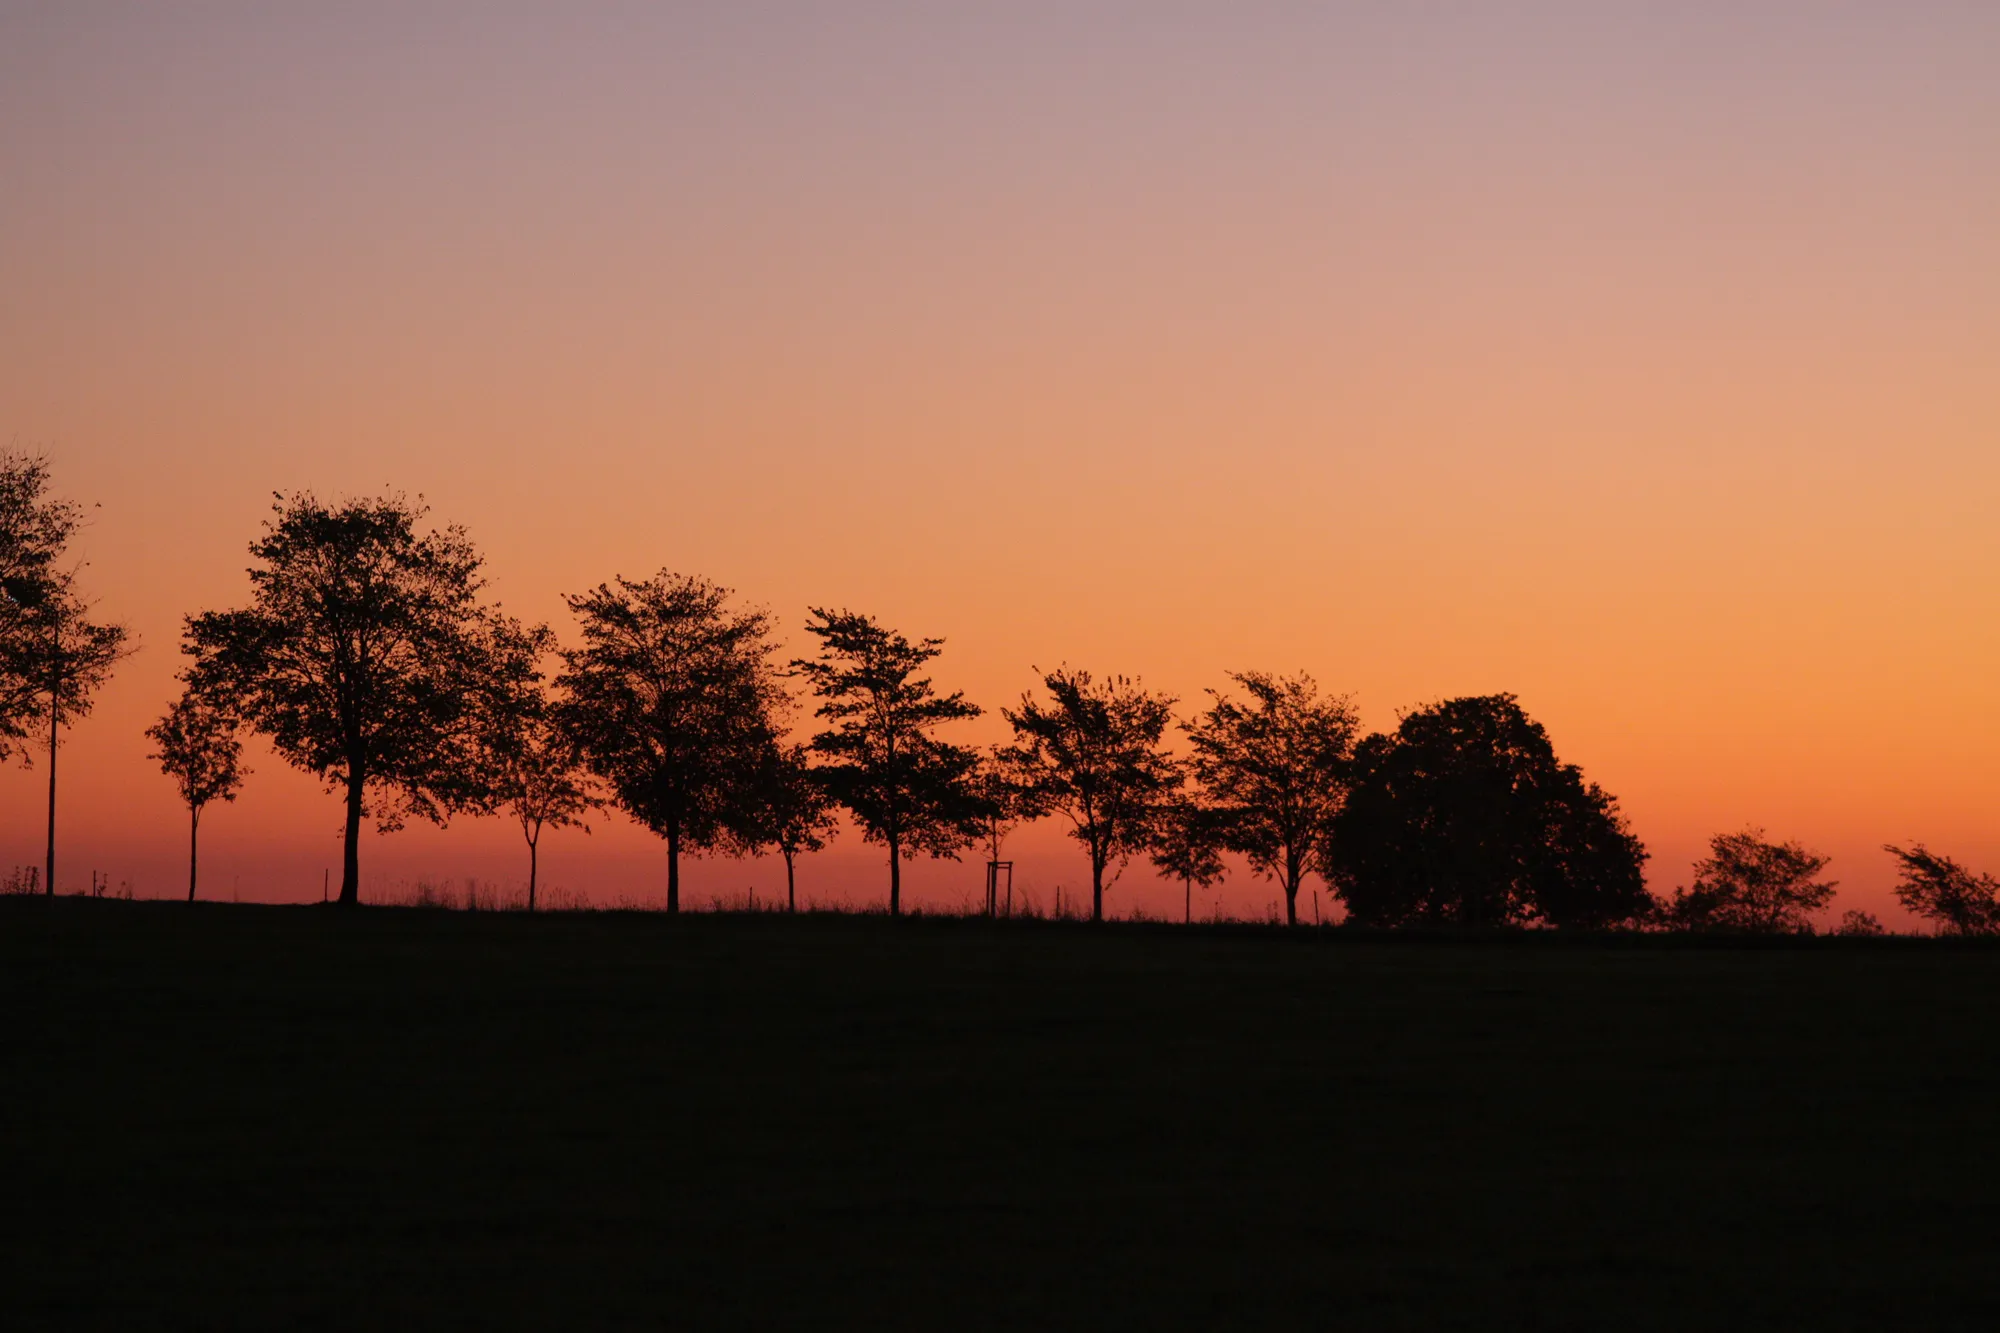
x=1642 y=359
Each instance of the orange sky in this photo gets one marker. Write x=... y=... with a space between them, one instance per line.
x=1639 y=362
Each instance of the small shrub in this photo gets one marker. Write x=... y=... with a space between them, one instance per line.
x=1859 y=923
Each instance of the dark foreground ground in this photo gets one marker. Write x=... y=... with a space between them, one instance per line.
x=237 y=1117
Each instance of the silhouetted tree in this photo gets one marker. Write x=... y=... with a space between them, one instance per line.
x=908 y=790
x=1941 y=890
x=796 y=814
x=671 y=698
x=1859 y=923
x=365 y=656
x=1754 y=886
x=1463 y=816
x=529 y=763
x=1275 y=770
x=1004 y=798
x=35 y=527
x=199 y=749
x=53 y=657
x=1093 y=754
x=72 y=656
x=1187 y=845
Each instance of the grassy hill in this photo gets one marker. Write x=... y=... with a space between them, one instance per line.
x=241 y=1117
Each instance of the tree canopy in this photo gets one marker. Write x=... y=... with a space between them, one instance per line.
x=67 y=657
x=1751 y=885
x=1464 y=816
x=35 y=528
x=1004 y=796
x=198 y=746
x=364 y=656
x=1187 y=846
x=671 y=697
x=529 y=764
x=1093 y=754
x=368 y=656
x=1275 y=771
x=795 y=812
x=1945 y=893
x=880 y=757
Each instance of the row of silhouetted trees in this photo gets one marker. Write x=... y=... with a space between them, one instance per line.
x=367 y=654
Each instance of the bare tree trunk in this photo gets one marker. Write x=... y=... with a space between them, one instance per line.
x=194 y=834
x=350 y=855
x=895 y=877
x=791 y=892
x=531 y=873
x=55 y=714
x=1096 y=889
x=673 y=868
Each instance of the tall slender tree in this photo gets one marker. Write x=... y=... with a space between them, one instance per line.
x=671 y=699
x=529 y=764
x=1275 y=769
x=365 y=655
x=73 y=656
x=907 y=789
x=1004 y=798
x=198 y=747
x=1188 y=845
x=53 y=656
x=1094 y=754
x=795 y=812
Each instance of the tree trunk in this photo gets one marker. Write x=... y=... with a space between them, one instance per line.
x=791 y=892
x=55 y=714
x=531 y=874
x=673 y=868
x=895 y=877
x=350 y=853
x=1096 y=890
x=1295 y=873
x=194 y=833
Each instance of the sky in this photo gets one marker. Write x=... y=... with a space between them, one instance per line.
x=1634 y=358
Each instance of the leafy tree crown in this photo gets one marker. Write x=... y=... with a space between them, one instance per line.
x=670 y=697
x=364 y=653
x=1094 y=754
x=1751 y=884
x=879 y=755
x=1463 y=815
x=197 y=745
x=1945 y=893
x=1275 y=768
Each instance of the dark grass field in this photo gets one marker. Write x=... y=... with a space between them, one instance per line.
x=238 y=1117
